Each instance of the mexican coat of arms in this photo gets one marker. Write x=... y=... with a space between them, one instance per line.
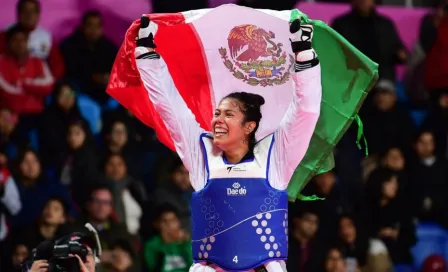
x=255 y=57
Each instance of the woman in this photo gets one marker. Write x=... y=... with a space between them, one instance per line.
x=129 y=193
x=56 y=118
x=34 y=189
x=80 y=163
x=361 y=253
x=388 y=218
x=335 y=261
x=49 y=226
x=118 y=141
x=228 y=168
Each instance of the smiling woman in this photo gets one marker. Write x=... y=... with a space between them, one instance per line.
x=235 y=123
x=228 y=167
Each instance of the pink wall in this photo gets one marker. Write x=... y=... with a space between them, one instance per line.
x=62 y=16
x=407 y=20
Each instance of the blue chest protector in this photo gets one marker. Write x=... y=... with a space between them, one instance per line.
x=239 y=222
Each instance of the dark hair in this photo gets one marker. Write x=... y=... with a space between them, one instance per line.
x=124 y=245
x=12 y=31
x=22 y=3
x=385 y=151
x=101 y=185
x=64 y=205
x=109 y=156
x=251 y=108
x=21 y=157
x=361 y=241
x=375 y=182
x=90 y=14
x=89 y=140
x=163 y=209
x=420 y=134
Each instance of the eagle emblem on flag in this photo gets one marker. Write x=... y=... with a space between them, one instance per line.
x=255 y=57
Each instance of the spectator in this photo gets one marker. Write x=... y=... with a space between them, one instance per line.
x=11 y=141
x=429 y=25
x=387 y=123
x=388 y=219
x=18 y=255
x=335 y=204
x=436 y=63
x=170 y=249
x=79 y=167
x=334 y=261
x=394 y=160
x=24 y=80
x=415 y=70
x=129 y=194
x=50 y=225
x=99 y=213
x=304 y=251
x=118 y=141
x=10 y=203
x=176 y=190
x=361 y=252
x=34 y=189
x=40 y=42
x=61 y=112
x=123 y=255
x=374 y=35
x=89 y=57
x=437 y=123
x=138 y=132
x=428 y=180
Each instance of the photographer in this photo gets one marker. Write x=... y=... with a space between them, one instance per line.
x=43 y=266
x=72 y=253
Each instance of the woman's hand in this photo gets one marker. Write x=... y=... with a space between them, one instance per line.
x=39 y=266
x=82 y=266
x=146 y=34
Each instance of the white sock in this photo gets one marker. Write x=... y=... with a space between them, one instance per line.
x=200 y=267
x=283 y=265
x=273 y=266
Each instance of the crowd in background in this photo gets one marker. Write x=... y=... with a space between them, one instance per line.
x=56 y=173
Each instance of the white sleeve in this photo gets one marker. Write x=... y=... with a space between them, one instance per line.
x=177 y=117
x=293 y=136
x=11 y=197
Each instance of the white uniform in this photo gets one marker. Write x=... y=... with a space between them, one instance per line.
x=291 y=138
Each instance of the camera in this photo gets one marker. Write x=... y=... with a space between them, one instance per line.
x=60 y=254
x=60 y=257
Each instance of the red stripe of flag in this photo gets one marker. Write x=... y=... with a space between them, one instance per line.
x=182 y=50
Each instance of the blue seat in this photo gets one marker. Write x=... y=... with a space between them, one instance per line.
x=34 y=140
x=111 y=104
x=418 y=116
x=402 y=97
x=403 y=268
x=431 y=239
x=91 y=111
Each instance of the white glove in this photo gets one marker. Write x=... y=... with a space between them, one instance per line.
x=301 y=38
x=147 y=32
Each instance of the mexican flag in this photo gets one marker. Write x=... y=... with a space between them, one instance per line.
x=213 y=52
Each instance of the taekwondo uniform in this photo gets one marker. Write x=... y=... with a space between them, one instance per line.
x=239 y=211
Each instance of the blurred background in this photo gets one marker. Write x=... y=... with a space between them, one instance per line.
x=70 y=155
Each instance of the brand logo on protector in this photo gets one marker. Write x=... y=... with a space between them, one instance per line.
x=236 y=190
